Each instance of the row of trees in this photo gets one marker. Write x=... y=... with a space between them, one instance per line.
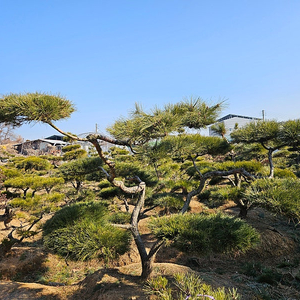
x=176 y=169
x=272 y=136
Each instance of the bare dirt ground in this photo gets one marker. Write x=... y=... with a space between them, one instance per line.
x=29 y=272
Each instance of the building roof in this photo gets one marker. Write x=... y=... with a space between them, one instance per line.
x=55 y=137
x=52 y=142
x=59 y=142
x=230 y=116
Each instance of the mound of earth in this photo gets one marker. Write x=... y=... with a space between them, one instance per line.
x=278 y=252
x=29 y=291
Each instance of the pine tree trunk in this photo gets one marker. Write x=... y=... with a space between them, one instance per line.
x=243 y=211
x=270 y=158
x=147 y=268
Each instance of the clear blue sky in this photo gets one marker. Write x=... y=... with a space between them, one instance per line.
x=106 y=55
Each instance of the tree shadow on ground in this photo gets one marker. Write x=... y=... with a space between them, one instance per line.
x=17 y=291
x=24 y=262
x=110 y=284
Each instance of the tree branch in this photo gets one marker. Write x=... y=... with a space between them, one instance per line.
x=69 y=135
x=195 y=166
x=208 y=175
x=96 y=136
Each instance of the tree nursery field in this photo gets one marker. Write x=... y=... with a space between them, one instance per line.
x=163 y=214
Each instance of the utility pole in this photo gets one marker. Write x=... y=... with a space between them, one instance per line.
x=263 y=114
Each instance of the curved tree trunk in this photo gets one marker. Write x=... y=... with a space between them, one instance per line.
x=203 y=180
x=270 y=158
x=25 y=193
x=147 y=259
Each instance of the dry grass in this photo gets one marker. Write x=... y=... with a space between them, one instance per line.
x=120 y=279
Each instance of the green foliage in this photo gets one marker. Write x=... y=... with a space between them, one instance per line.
x=104 y=184
x=280 y=196
x=86 y=240
x=290 y=133
x=51 y=158
x=109 y=192
x=119 y=152
x=86 y=195
x=72 y=152
x=54 y=197
x=272 y=135
x=195 y=113
x=284 y=173
x=235 y=193
x=282 y=153
x=119 y=217
x=17 y=109
x=158 y=286
x=205 y=233
x=203 y=166
x=32 y=163
x=169 y=169
x=252 y=166
x=10 y=172
x=21 y=182
x=142 y=127
x=46 y=183
x=81 y=232
x=184 y=146
x=187 y=286
x=69 y=215
x=217 y=196
x=71 y=148
x=245 y=152
x=25 y=204
x=258 y=132
x=78 y=169
x=70 y=137
x=75 y=154
x=32 y=182
x=38 y=204
x=170 y=202
x=219 y=128
x=181 y=184
x=95 y=176
x=131 y=169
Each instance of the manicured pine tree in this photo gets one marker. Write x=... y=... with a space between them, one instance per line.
x=137 y=130
x=272 y=135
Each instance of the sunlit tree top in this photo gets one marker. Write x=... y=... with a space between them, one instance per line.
x=140 y=126
x=18 y=109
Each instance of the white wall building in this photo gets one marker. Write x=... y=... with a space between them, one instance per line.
x=231 y=122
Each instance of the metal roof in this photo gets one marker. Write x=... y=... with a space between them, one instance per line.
x=54 y=142
x=230 y=116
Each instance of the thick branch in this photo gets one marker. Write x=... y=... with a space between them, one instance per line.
x=109 y=163
x=69 y=135
x=134 y=223
x=123 y=226
x=156 y=246
x=105 y=138
x=195 y=166
x=207 y=176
